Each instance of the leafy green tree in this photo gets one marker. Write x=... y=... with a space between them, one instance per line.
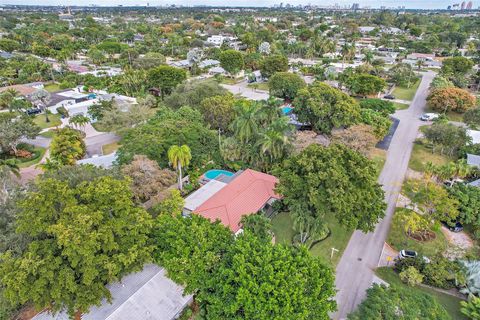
x=259 y=225
x=8 y=169
x=402 y=74
x=393 y=302
x=192 y=93
x=232 y=61
x=456 y=65
x=273 y=64
x=12 y=131
x=411 y=276
x=471 y=309
x=9 y=45
x=167 y=128
x=335 y=181
x=149 y=60
x=285 y=85
x=440 y=82
x=190 y=249
x=469 y=204
x=218 y=111
x=446 y=138
x=259 y=280
x=364 y=84
x=97 y=110
x=179 y=157
x=384 y=107
x=472 y=117
x=166 y=78
x=67 y=147
x=81 y=239
x=325 y=108
x=432 y=199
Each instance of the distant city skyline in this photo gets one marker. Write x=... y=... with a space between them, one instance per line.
x=408 y=4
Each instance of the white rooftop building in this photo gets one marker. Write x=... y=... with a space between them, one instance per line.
x=147 y=294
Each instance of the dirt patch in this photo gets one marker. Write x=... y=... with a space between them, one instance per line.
x=423 y=237
x=412 y=174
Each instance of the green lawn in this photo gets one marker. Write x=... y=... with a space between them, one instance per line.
x=48 y=134
x=230 y=81
x=99 y=127
x=378 y=156
x=54 y=120
x=399 y=240
x=52 y=87
x=400 y=106
x=450 y=303
x=260 y=86
x=452 y=115
x=403 y=93
x=110 y=147
x=421 y=154
x=338 y=239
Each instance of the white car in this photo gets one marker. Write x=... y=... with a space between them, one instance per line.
x=429 y=116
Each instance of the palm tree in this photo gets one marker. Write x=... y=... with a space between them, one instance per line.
x=245 y=125
x=419 y=64
x=348 y=52
x=368 y=57
x=79 y=120
x=179 y=156
x=8 y=168
x=43 y=97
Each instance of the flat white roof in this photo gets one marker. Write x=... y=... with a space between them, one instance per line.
x=194 y=200
x=147 y=294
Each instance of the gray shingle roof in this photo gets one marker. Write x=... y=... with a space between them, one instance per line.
x=473 y=160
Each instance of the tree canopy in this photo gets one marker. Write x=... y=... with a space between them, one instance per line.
x=285 y=85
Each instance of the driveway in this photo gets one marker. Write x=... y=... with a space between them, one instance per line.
x=355 y=271
x=94 y=143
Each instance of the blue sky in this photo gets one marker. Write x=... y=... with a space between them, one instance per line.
x=421 y=4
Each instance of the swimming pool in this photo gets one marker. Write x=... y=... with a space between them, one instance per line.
x=212 y=174
x=286 y=110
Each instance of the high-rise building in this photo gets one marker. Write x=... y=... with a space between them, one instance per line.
x=355 y=6
x=462 y=6
x=469 y=5
x=449 y=8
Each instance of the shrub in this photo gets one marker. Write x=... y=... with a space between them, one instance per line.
x=411 y=276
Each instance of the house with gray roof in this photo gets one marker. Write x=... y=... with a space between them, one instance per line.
x=473 y=160
x=145 y=295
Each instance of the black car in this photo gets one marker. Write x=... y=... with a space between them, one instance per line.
x=33 y=111
x=389 y=97
x=457 y=227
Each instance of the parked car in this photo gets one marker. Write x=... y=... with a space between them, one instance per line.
x=33 y=111
x=457 y=227
x=404 y=254
x=429 y=116
x=389 y=96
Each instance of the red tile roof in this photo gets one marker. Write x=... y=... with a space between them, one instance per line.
x=246 y=194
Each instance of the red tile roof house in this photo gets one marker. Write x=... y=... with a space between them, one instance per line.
x=249 y=192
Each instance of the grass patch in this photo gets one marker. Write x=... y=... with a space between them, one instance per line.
x=99 y=127
x=450 y=303
x=52 y=87
x=400 y=106
x=421 y=154
x=54 y=120
x=48 y=134
x=259 y=86
x=379 y=156
x=230 y=81
x=399 y=240
x=404 y=93
x=452 y=115
x=110 y=147
x=338 y=239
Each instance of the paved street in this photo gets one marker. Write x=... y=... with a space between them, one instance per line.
x=355 y=269
x=249 y=93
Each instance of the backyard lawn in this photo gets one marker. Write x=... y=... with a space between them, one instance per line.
x=259 y=86
x=398 y=239
x=338 y=239
x=421 y=154
x=403 y=93
x=450 y=303
x=54 y=120
x=52 y=87
x=110 y=148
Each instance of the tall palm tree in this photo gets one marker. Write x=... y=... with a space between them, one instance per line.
x=348 y=52
x=368 y=57
x=245 y=124
x=179 y=157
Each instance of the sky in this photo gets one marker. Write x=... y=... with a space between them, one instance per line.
x=410 y=4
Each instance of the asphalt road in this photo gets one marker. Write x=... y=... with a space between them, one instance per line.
x=354 y=272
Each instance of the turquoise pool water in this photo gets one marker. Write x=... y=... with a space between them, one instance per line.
x=212 y=174
x=287 y=110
